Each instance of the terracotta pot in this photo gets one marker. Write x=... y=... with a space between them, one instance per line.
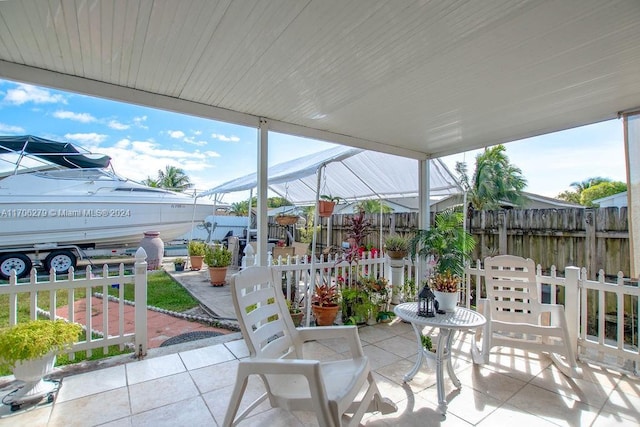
x=325 y=208
x=154 y=247
x=397 y=254
x=218 y=275
x=325 y=316
x=297 y=318
x=196 y=262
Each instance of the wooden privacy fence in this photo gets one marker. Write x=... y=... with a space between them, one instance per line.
x=596 y=239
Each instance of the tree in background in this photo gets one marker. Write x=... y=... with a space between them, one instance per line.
x=172 y=178
x=494 y=181
x=595 y=188
x=372 y=207
x=242 y=208
x=600 y=190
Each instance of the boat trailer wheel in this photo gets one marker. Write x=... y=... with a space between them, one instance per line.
x=18 y=262
x=60 y=261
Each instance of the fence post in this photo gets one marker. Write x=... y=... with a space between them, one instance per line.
x=140 y=269
x=572 y=304
x=502 y=232
x=590 y=242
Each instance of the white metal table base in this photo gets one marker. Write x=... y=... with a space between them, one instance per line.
x=447 y=324
x=443 y=353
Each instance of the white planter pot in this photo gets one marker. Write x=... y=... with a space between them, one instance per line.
x=33 y=370
x=34 y=388
x=447 y=301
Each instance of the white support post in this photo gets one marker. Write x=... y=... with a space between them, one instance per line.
x=424 y=212
x=263 y=177
x=572 y=304
x=632 y=153
x=140 y=268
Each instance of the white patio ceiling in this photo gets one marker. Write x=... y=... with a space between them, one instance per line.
x=416 y=78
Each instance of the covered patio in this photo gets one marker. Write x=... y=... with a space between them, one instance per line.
x=192 y=386
x=420 y=80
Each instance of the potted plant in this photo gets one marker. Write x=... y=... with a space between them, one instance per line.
x=326 y=204
x=178 y=264
x=30 y=350
x=355 y=305
x=325 y=304
x=396 y=246
x=446 y=246
x=196 y=249
x=296 y=312
x=218 y=259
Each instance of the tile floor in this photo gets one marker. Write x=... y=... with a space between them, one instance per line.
x=191 y=387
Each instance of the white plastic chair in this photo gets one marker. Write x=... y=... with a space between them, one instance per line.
x=515 y=314
x=293 y=383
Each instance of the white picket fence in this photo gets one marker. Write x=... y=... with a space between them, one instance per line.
x=582 y=299
x=93 y=281
x=594 y=310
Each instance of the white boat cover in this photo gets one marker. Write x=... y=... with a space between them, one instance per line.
x=350 y=173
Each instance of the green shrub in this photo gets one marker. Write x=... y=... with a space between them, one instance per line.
x=217 y=256
x=35 y=338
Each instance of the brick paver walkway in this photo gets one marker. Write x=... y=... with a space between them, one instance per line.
x=160 y=326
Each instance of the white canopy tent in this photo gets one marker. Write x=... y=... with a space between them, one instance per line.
x=350 y=173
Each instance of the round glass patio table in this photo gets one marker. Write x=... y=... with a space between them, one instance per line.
x=447 y=324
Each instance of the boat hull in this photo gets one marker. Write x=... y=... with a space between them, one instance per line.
x=95 y=221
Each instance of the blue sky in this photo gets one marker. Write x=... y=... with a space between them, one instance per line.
x=143 y=140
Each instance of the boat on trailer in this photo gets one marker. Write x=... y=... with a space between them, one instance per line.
x=57 y=198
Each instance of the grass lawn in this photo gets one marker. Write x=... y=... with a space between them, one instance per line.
x=162 y=292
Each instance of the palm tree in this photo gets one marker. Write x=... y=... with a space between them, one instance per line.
x=579 y=186
x=494 y=180
x=372 y=206
x=240 y=208
x=150 y=182
x=589 y=182
x=174 y=178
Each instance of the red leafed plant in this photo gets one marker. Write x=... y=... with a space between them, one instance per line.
x=325 y=295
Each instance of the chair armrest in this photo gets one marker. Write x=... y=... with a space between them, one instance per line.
x=310 y=369
x=350 y=333
x=279 y=366
x=557 y=313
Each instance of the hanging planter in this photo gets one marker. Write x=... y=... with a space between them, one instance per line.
x=326 y=204
x=286 y=219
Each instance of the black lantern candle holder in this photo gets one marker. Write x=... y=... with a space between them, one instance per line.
x=426 y=302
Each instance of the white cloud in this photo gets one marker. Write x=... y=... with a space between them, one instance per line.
x=11 y=129
x=123 y=143
x=139 y=159
x=177 y=134
x=212 y=153
x=139 y=121
x=78 y=117
x=86 y=138
x=28 y=93
x=225 y=138
x=192 y=141
x=114 y=124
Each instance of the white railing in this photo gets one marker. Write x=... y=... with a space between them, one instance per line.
x=91 y=283
x=593 y=309
x=297 y=270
